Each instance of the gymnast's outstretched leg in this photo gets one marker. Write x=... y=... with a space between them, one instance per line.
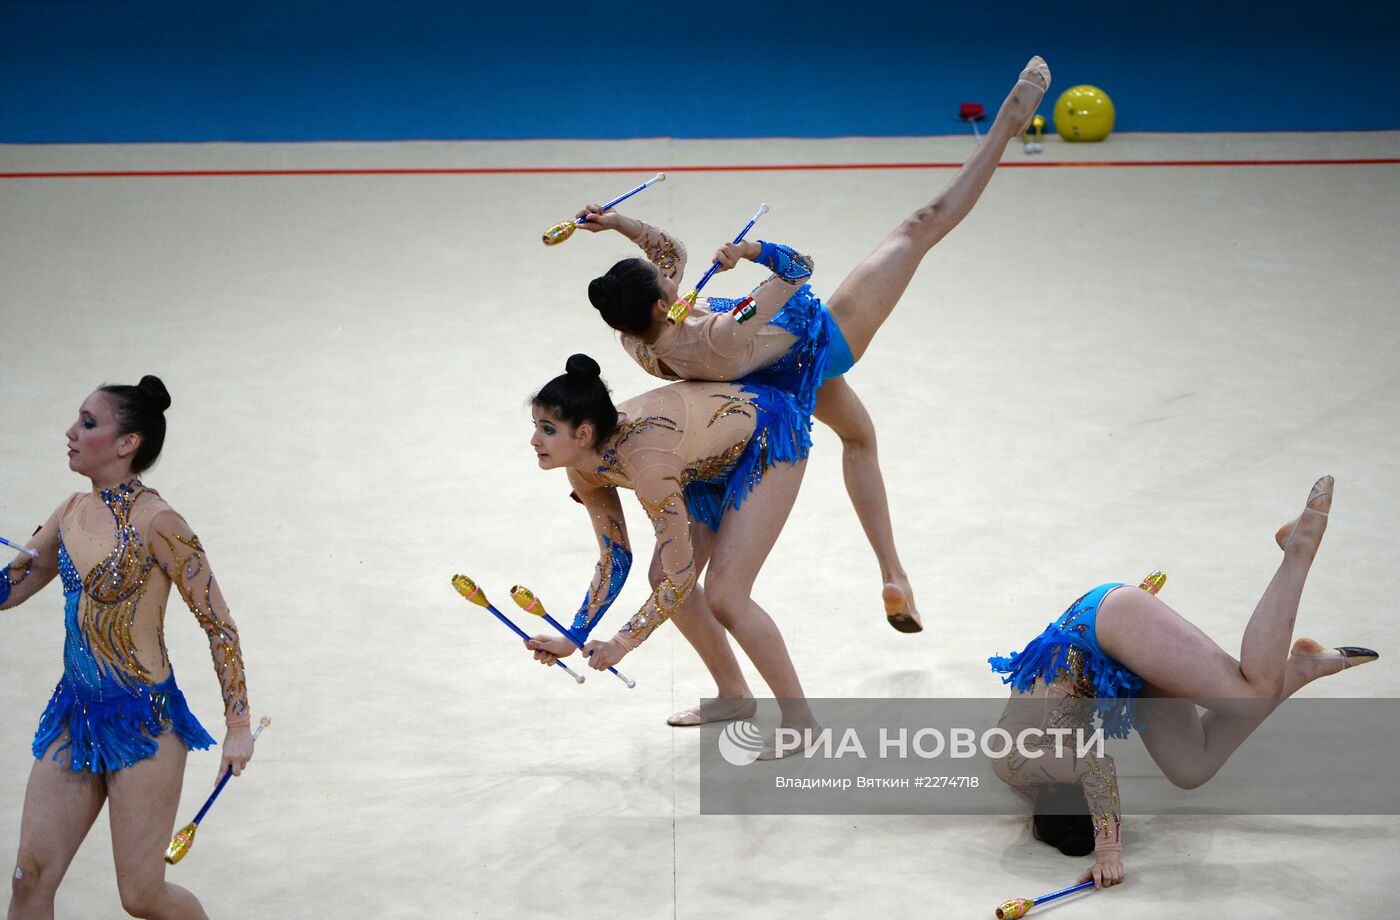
x=1168 y=652
x=1190 y=747
x=840 y=409
x=864 y=300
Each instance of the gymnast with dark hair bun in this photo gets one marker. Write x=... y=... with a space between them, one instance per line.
x=1117 y=645
x=801 y=345
x=726 y=457
x=117 y=729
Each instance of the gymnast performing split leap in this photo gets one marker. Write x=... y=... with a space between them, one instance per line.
x=1111 y=647
x=117 y=729
x=801 y=346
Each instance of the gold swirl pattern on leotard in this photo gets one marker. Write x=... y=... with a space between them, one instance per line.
x=192 y=577
x=1101 y=791
x=663 y=512
x=660 y=607
x=113 y=590
x=1081 y=675
x=731 y=405
x=661 y=251
x=612 y=466
x=644 y=358
x=716 y=466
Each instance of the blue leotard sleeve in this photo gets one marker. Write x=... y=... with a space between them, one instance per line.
x=784 y=261
x=611 y=575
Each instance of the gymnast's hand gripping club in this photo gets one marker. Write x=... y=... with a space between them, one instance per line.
x=527 y=602
x=468 y=589
x=681 y=308
x=32 y=554
x=183 y=840
x=1017 y=908
x=561 y=232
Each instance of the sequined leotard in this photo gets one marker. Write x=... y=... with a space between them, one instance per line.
x=689 y=451
x=1063 y=680
x=791 y=343
x=117 y=554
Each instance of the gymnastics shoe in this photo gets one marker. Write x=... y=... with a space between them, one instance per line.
x=1318 y=504
x=898 y=612
x=1351 y=656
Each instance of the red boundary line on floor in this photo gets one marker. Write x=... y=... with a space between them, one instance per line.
x=563 y=170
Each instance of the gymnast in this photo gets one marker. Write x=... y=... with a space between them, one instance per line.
x=726 y=457
x=117 y=728
x=1113 y=646
x=801 y=346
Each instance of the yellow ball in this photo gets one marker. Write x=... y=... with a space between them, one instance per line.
x=1084 y=113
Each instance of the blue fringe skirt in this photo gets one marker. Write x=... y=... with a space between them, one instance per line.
x=819 y=353
x=782 y=434
x=118 y=727
x=1115 y=687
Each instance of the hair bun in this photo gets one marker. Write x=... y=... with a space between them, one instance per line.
x=582 y=367
x=602 y=293
x=155 y=392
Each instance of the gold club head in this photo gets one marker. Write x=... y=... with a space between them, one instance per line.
x=180 y=844
x=1015 y=909
x=559 y=233
x=526 y=600
x=468 y=589
x=1154 y=582
x=681 y=308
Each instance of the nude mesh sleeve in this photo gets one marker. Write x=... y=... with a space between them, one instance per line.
x=662 y=250
x=178 y=552
x=26 y=575
x=656 y=477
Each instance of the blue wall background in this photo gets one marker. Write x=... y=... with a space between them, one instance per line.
x=161 y=70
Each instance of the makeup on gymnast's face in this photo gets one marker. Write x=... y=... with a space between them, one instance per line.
x=92 y=439
x=555 y=442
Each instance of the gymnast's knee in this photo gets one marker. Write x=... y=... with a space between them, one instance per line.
x=727 y=602
x=1192 y=776
x=30 y=883
x=138 y=903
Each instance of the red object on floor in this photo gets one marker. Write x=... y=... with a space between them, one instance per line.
x=971 y=111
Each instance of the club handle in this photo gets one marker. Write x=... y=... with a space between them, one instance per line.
x=562 y=231
x=659 y=177
x=714 y=266
x=31 y=553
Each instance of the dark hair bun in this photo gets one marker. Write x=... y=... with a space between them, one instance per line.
x=154 y=391
x=582 y=367
x=602 y=293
